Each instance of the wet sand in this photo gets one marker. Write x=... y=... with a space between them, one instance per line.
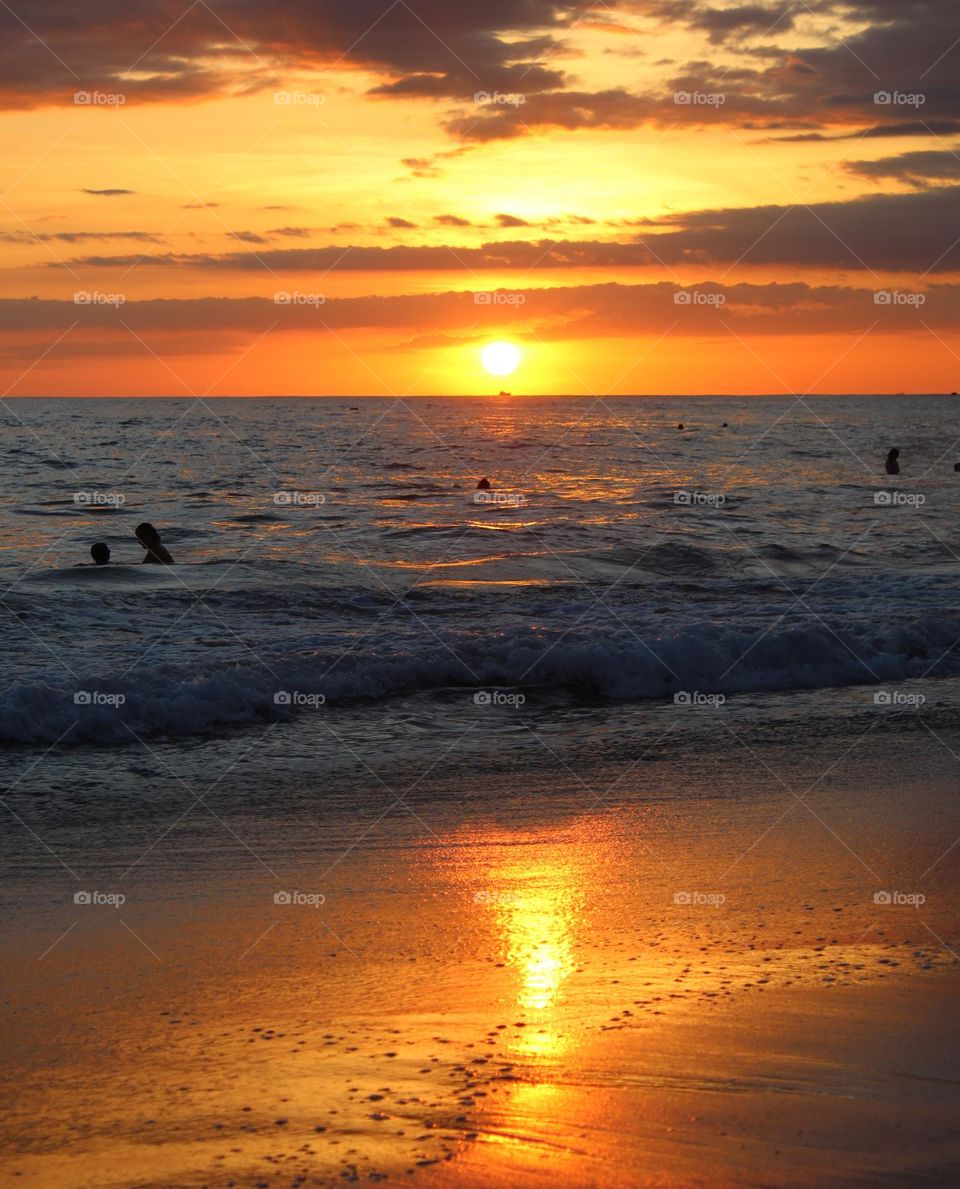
x=698 y=989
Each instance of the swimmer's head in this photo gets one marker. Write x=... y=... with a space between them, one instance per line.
x=894 y=453
x=147 y=535
x=100 y=553
x=483 y=485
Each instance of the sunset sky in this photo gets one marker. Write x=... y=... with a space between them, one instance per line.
x=307 y=197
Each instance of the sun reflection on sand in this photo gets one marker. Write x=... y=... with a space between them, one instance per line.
x=536 y=900
x=538 y=939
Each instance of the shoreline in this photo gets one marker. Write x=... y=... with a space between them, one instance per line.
x=689 y=972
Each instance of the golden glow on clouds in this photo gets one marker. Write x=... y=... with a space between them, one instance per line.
x=340 y=168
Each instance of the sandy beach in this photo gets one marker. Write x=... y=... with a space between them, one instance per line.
x=689 y=982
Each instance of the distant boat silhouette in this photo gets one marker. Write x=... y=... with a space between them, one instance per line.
x=502 y=393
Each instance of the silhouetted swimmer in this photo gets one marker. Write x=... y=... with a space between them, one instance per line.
x=956 y=466
x=100 y=553
x=483 y=485
x=891 y=466
x=149 y=538
x=680 y=426
x=724 y=426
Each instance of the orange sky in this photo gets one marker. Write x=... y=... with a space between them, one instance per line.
x=644 y=197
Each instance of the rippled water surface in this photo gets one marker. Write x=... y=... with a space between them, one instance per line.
x=336 y=550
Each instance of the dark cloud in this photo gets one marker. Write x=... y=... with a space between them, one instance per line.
x=804 y=68
x=880 y=132
x=149 y=50
x=451 y=221
x=614 y=109
x=247 y=237
x=918 y=169
x=511 y=221
x=723 y=24
x=422 y=167
x=904 y=51
x=562 y=313
x=882 y=232
x=107 y=193
x=403 y=224
x=913 y=232
x=77 y=237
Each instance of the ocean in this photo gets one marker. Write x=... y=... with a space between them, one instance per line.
x=333 y=553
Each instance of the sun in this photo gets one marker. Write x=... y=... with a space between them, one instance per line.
x=500 y=359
